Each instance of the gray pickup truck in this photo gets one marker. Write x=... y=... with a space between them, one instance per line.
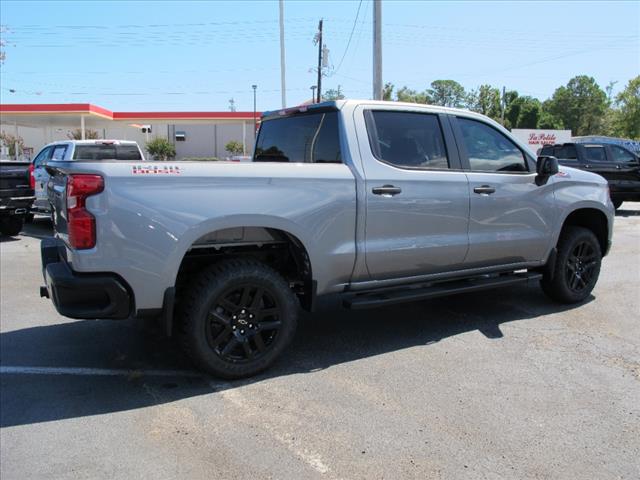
x=362 y=203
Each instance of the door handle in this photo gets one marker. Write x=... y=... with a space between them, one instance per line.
x=484 y=190
x=386 y=190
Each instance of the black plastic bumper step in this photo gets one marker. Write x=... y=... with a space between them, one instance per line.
x=412 y=294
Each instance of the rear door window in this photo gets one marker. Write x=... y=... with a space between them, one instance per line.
x=107 y=152
x=306 y=138
x=58 y=153
x=407 y=139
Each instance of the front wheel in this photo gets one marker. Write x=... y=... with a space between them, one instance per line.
x=577 y=266
x=238 y=316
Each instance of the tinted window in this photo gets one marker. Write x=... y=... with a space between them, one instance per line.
x=407 y=139
x=309 y=138
x=42 y=156
x=547 y=150
x=594 y=153
x=58 y=153
x=621 y=155
x=107 y=152
x=565 y=152
x=489 y=150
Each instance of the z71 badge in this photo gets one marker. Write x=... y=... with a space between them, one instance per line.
x=156 y=170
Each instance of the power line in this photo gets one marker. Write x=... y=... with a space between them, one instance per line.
x=355 y=22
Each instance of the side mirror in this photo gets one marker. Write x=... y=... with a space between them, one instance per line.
x=546 y=166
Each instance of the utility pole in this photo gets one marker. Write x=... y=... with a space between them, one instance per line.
x=504 y=102
x=319 y=38
x=282 y=69
x=377 y=49
x=254 y=113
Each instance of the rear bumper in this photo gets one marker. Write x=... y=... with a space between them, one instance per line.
x=82 y=295
x=18 y=205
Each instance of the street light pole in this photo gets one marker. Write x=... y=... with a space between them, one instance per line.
x=254 y=112
x=313 y=93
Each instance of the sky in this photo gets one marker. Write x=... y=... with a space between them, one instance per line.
x=197 y=55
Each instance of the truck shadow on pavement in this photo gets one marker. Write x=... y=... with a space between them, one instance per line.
x=40 y=227
x=627 y=213
x=322 y=341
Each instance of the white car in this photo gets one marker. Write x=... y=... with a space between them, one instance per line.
x=69 y=150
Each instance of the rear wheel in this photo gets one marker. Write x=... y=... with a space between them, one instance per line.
x=238 y=316
x=11 y=225
x=577 y=266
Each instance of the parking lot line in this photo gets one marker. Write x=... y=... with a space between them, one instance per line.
x=20 y=370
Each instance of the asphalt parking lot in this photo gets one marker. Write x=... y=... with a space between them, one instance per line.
x=500 y=384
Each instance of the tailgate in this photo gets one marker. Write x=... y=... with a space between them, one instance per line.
x=14 y=176
x=56 y=192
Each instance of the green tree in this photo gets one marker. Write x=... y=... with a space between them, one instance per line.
x=627 y=113
x=387 y=91
x=447 y=93
x=485 y=100
x=161 y=149
x=234 y=147
x=10 y=141
x=548 y=120
x=88 y=134
x=522 y=112
x=530 y=112
x=406 y=94
x=333 y=94
x=580 y=105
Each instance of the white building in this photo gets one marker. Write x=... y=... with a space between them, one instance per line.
x=194 y=134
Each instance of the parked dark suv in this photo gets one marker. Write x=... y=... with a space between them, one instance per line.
x=621 y=167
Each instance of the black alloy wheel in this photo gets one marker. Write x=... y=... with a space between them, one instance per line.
x=576 y=268
x=243 y=323
x=237 y=317
x=581 y=265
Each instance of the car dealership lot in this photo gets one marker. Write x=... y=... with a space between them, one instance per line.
x=498 y=384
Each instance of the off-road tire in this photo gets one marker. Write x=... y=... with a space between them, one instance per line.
x=201 y=313
x=574 y=275
x=11 y=225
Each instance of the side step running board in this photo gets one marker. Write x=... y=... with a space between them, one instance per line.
x=412 y=294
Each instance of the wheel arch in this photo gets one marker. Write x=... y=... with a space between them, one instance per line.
x=276 y=245
x=593 y=219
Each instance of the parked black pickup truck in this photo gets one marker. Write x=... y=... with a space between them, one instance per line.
x=619 y=166
x=16 y=195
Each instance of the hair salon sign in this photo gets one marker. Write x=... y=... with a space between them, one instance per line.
x=536 y=139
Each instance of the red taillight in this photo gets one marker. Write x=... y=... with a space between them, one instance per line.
x=81 y=223
x=32 y=178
